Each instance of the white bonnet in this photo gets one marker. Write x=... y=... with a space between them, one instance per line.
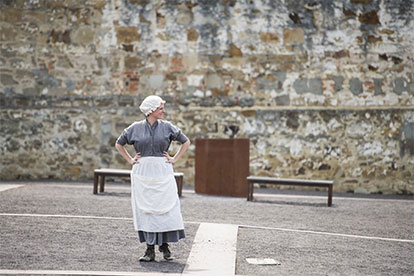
x=150 y=104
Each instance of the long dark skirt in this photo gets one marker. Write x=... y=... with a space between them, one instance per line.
x=158 y=238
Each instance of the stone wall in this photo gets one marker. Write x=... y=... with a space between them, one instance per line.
x=324 y=89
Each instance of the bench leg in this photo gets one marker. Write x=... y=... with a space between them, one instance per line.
x=179 y=180
x=101 y=184
x=95 y=183
x=250 y=191
x=330 y=193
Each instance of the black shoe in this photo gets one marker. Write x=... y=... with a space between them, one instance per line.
x=166 y=252
x=149 y=254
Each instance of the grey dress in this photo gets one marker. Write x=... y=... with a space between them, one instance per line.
x=153 y=141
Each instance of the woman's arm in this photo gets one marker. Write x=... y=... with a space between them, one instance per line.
x=183 y=148
x=121 y=149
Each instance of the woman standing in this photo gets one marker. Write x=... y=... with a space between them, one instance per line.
x=155 y=203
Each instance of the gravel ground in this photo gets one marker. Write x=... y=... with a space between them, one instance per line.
x=304 y=254
x=111 y=245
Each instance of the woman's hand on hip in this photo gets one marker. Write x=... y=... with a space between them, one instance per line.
x=169 y=158
x=135 y=160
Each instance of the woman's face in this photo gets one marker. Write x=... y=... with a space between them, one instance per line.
x=159 y=112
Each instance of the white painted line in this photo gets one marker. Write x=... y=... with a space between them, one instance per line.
x=326 y=233
x=213 y=251
x=262 y=261
x=74 y=217
x=63 y=216
x=5 y=187
x=334 y=197
x=74 y=272
x=318 y=197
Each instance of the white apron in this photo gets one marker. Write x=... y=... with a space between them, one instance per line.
x=154 y=198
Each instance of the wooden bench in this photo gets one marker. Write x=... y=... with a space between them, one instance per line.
x=100 y=174
x=291 y=182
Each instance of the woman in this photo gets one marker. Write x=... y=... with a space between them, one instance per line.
x=155 y=203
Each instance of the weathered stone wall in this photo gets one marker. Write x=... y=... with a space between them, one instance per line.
x=324 y=89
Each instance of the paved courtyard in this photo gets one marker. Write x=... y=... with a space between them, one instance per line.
x=61 y=228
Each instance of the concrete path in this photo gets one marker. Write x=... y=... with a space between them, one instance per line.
x=213 y=244
x=5 y=187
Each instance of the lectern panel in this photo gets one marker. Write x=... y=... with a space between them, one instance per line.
x=221 y=166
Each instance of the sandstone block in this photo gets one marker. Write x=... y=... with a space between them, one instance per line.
x=98 y=4
x=374 y=39
x=60 y=36
x=59 y=3
x=7 y=79
x=293 y=36
x=127 y=35
x=12 y=15
x=349 y=13
x=234 y=51
x=361 y=190
x=341 y=54
x=192 y=35
x=163 y=36
x=37 y=17
x=56 y=18
x=249 y=113
x=214 y=81
x=156 y=81
x=185 y=15
x=132 y=63
x=269 y=37
x=369 y=18
x=8 y=33
x=160 y=21
x=127 y=47
x=75 y=171
x=83 y=35
x=80 y=16
x=386 y=31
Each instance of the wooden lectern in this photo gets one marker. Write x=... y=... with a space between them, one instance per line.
x=222 y=166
